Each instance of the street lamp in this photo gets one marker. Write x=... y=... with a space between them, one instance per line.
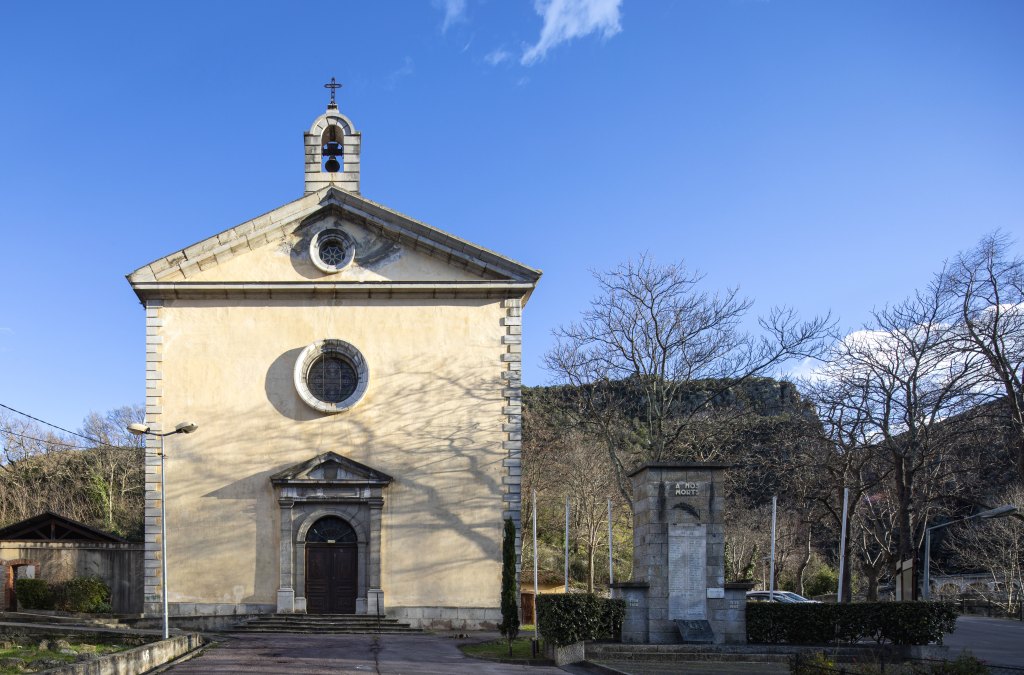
x=144 y=430
x=998 y=512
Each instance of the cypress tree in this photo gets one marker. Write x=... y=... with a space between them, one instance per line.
x=509 y=626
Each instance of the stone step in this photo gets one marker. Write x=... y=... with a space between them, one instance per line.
x=323 y=623
x=315 y=624
x=340 y=624
x=30 y=617
x=770 y=652
x=323 y=618
x=276 y=620
x=322 y=630
x=691 y=668
x=663 y=657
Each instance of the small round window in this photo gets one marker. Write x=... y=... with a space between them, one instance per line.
x=331 y=376
x=332 y=250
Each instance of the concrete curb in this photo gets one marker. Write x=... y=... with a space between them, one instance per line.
x=195 y=653
x=137 y=660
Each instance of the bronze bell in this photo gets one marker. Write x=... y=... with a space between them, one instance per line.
x=332 y=149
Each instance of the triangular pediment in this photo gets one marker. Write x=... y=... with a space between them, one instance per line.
x=389 y=248
x=332 y=469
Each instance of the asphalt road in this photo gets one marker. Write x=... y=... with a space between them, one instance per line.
x=273 y=653
x=997 y=641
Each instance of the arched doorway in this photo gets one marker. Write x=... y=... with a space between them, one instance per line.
x=332 y=570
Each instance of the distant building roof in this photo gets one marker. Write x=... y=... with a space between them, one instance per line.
x=49 y=526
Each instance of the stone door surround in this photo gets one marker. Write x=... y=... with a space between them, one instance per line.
x=330 y=485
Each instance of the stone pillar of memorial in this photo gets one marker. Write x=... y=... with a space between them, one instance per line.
x=678 y=592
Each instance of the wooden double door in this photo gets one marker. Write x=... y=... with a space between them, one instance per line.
x=331 y=578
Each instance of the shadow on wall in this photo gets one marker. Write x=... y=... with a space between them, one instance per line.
x=372 y=252
x=432 y=457
x=280 y=388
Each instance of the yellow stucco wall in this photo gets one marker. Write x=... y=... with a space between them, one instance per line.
x=431 y=419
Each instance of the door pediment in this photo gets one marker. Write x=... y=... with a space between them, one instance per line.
x=330 y=469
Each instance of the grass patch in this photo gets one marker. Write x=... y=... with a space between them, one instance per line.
x=498 y=649
x=31 y=658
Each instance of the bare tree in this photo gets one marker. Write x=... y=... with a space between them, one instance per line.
x=987 y=286
x=651 y=334
x=563 y=460
x=97 y=479
x=845 y=457
x=884 y=392
x=113 y=465
x=997 y=547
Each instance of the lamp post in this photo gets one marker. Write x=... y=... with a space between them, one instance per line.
x=145 y=430
x=998 y=512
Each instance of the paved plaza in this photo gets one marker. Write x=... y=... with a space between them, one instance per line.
x=994 y=640
x=997 y=641
x=273 y=653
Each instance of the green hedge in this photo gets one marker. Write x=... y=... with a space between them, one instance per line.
x=82 y=594
x=901 y=623
x=33 y=594
x=567 y=618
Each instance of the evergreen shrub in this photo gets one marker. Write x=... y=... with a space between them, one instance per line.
x=900 y=623
x=573 y=617
x=509 y=625
x=823 y=581
x=82 y=594
x=33 y=594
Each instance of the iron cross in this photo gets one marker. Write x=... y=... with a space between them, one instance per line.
x=332 y=85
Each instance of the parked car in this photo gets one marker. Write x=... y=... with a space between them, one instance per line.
x=780 y=596
x=797 y=597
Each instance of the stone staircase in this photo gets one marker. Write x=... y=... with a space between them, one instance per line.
x=691 y=659
x=342 y=624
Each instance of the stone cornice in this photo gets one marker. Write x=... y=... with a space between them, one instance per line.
x=179 y=290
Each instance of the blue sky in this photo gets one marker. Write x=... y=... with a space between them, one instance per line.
x=822 y=155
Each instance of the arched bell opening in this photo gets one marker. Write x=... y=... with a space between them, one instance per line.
x=332 y=149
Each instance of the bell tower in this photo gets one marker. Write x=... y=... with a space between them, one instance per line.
x=332 y=150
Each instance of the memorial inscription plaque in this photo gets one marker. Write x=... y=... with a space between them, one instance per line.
x=687 y=572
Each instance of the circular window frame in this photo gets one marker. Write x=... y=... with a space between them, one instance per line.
x=343 y=239
x=330 y=347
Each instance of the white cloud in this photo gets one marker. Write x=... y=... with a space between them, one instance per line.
x=499 y=55
x=405 y=71
x=565 y=20
x=454 y=12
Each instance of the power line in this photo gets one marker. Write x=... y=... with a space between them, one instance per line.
x=48 y=441
x=67 y=431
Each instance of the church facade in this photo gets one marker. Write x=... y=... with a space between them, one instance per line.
x=354 y=375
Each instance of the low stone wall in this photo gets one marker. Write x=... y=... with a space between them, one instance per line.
x=138 y=660
x=119 y=565
x=447 y=618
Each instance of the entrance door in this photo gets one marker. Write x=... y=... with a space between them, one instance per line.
x=330 y=578
x=331 y=567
